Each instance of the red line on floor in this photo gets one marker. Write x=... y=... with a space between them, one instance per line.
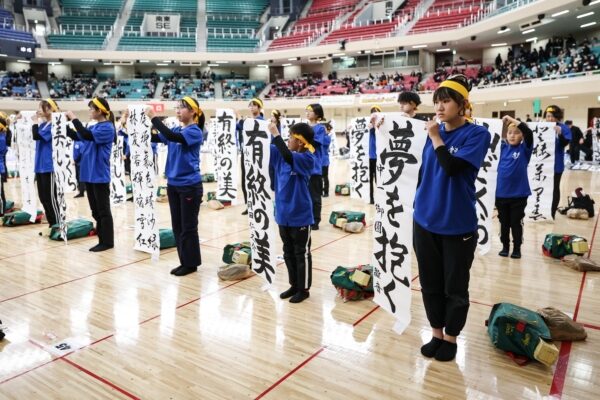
x=335 y=240
x=592 y=326
x=292 y=372
x=361 y=319
x=560 y=373
x=101 y=379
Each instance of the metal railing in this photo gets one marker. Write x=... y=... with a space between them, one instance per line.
x=232 y=31
x=83 y=28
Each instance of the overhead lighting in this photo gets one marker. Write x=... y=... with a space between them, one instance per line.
x=419 y=46
x=144 y=61
x=213 y=65
x=87 y=60
x=442 y=50
x=161 y=64
x=167 y=61
x=263 y=65
x=528 y=31
x=286 y=65
x=532 y=39
x=585 y=15
x=108 y=63
x=594 y=2
x=222 y=62
x=588 y=24
x=499 y=44
x=54 y=63
x=504 y=30
x=560 y=13
x=367 y=51
x=515 y=101
x=339 y=54
x=560 y=97
x=24 y=61
x=3 y=55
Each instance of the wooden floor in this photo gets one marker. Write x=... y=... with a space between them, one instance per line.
x=137 y=332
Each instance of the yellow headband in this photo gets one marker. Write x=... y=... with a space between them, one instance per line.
x=53 y=105
x=257 y=101
x=303 y=140
x=550 y=110
x=457 y=87
x=100 y=106
x=377 y=108
x=2 y=127
x=195 y=107
x=276 y=113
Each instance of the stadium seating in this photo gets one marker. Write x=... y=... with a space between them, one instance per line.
x=237 y=89
x=20 y=84
x=8 y=31
x=232 y=26
x=448 y=14
x=130 y=88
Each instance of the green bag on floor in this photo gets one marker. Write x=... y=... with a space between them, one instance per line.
x=75 y=229
x=347 y=288
x=167 y=238
x=211 y=196
x=129 y=188
x=229 y=249
x=516 y=330
x=9 y=206
x=558 y=245
x=21 y=218
x=161 y=191
x=208 y=177
x=350 y=216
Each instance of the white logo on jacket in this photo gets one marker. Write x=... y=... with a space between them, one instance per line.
x=516 y=155
x=452 y=149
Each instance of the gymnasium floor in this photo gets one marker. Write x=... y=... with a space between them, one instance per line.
x=135 y=331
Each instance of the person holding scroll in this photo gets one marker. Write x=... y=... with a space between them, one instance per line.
x=255 y=107
x=563 y=137
x=445 y=219
x=373 y=154
x=4 y=144
x=184 y=183
x=95 y=166
x=44 y=166
x=315 y=114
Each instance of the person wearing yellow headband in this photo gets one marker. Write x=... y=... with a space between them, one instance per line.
x=445 y=220
x=293 y=165
x=95 y=166
x=512 y=188
x=5 y=139
x=325 y=162
x=315 y=114
x=44 y=166
x=563 y=136
x=372 y=153
x=255 y=107
x=184 y=182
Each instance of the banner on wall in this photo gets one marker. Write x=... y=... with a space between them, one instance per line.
x=541 y=172
x=400 y=143
x=26 y=152
x=227 y=161
x=257 y=154
x=143 y=181
x=359 y=159
x=485 y=185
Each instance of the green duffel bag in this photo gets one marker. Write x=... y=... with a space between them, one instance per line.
x=342 y=190
x=76 y=228
x=558 y=245
x=208 y=177
x=350 y=216
x=211 y=196
x=167 y=238
x=161 y=191
x=347 y=287
x=21 y=218
x=520 y=332
x=229 y=249
x=9 y=206
x=129 y=188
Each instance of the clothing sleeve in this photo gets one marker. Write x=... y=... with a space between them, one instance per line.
x=104 y=133
x=566 y=133
x=72 y=134
x=327 y=141
x=9 y=138
x=35 y=131
x=283 y=150
x=192 y=134
x=475 y=147
x=527 y=134
x=82 y=132
x=450 y=164
x=320 y=134
x=303 y=163
x=46 y=132
x=275 y=156
x=166 y=134
x=156 y=139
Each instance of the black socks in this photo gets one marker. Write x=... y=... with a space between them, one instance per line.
x=429 y=349
x=440 y=349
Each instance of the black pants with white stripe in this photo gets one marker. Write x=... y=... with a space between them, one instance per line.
x=47 y=193
x=296 y=253
x=444 y=273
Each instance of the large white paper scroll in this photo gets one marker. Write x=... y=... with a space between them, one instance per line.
x=541 y=172
x=26 y=151
x=143 y=181
x=400 y=143
x=118 y=191
x=257 y=153
x=64 y=171
x=485 y=185
x=359 y=159
x=227 y=160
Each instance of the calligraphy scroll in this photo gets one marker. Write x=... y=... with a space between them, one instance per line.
x=26 y=146
x=359 y=159
x=257 y=153
x=143 y=180
x=485 y=184
x=64 y=174
x=400 y=143
x=118 y=192
x=541 y=172
x=227 y=160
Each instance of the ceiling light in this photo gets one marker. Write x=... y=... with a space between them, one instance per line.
x=286 y=65
x=594 y=2
x=24 y=61
x=498 y=44
x=504 y=30
x=222 y=62
x=263 y=65
x=532 y=39
x=54 y=63
x=339 y=54
x=3 y=55
x=161 y=64
x=419 y=46
x=213 y=65
x=87 y=60
x=588 y=24
x=144 y=61
x=528 y=31
x=585 y=15
x=515 y=101
x=367 y=51
x=442 y=50
x=560 y=97
x=560 y=13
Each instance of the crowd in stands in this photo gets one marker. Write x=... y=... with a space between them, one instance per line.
x=114 y=89
x=241 y=89
x=19 y=84
x=178 y=86
x=78 y=87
